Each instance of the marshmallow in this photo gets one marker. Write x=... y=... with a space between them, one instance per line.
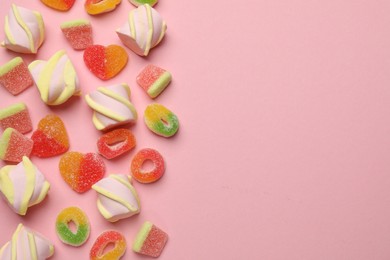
x=111 y=106
x=26 y=244
x=144 y=29
x=117 y=198
x=23 y=185
x=24 y=30
x=56 y=79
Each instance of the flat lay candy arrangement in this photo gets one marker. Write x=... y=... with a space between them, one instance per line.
x=53 y=80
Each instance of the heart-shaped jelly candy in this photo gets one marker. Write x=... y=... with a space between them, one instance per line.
x=105 y=62
x=51 y=138
x=81 y=171
x=60 y=5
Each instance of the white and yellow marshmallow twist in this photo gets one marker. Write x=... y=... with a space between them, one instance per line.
x=23 y=185
x=117 y=198
x=27 y=244
x=56 y=78
x=24 y=30
x=111 y=106
x=144 y=29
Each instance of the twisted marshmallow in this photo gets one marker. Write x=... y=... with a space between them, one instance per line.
x=23 y=185
x=112 y=106
x=24 y=30
x=117 y=198
x=26 y=244
x=56 y=79
x=143 y=31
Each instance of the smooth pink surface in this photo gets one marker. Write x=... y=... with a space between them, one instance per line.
x=284 y=145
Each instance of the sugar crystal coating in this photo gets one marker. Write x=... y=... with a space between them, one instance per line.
x=154 y=80
x=14 y=145
x=100 y=6
x=15 y=76
x=150 y=240
x=116 y=143
x=78 y=33
x=16 y=116
x=60 y=5
x=81 y=171
x=105 y=62
x=51 y=138
x=80 y=219
x=160 y=120
x=143 y=176
x=107 y=237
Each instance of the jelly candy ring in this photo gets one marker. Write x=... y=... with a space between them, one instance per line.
x=78 y=217
x=107 y=237
x=138 y=161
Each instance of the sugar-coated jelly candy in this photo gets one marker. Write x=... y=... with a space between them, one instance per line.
x=24 y=30
x=81 y=171
x=115 y=143
x=15 y=76
x=23 y=185
x=143 y=30
x=60 y=5
x=17 y=117
x=147 y=176
x=51 y=138
x=100 y=6
x=142 y=2
x=112 y=106
x=27 y=244
x=78 y=33
x=80 y=220
x=150 y=240
x=56 y=78
x=14 y=145
x=105 y=62
x=160 y=120
x=117 y=198
x=154 y=80
x=98 y=251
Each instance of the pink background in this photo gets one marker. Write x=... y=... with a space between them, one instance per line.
x=284 y=145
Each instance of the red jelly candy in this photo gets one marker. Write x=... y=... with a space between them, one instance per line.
x=17 y=117
x=78 y=33
x=14 y=145
x=147 y=176
x=150 y=240
x=115 y=143
x=108 y=237
x=51 y=138
x=15 y=76
x=81 y=171
x=105 y=62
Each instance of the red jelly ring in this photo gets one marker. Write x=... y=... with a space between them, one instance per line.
x=147 y=176
x=115 y=143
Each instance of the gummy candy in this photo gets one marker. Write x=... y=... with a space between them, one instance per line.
x=147 y=176
x=27 y=244
x=142 y=2
x=15 y=76
x=17 y=117
x=60 y=5
x=78 y=217
x=150 y=240
x=112 y=106
x=115 y=143
x=51 y=138
x=117 y=198
x=23 y=185
x=108 y=237
x=81 y=171
x=100 y=6
x=78 y=33
x=154 y=80
x=160 y=120
x=105 y=62
x=14 y=145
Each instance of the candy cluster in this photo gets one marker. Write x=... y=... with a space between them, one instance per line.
x=23 y=185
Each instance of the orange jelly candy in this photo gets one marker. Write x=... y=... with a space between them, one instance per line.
x=51 y=138
x=105 y=62
x=100 y=6
x=147 y=176
x=60 y=5
x=81 y=171
x=116 y=142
